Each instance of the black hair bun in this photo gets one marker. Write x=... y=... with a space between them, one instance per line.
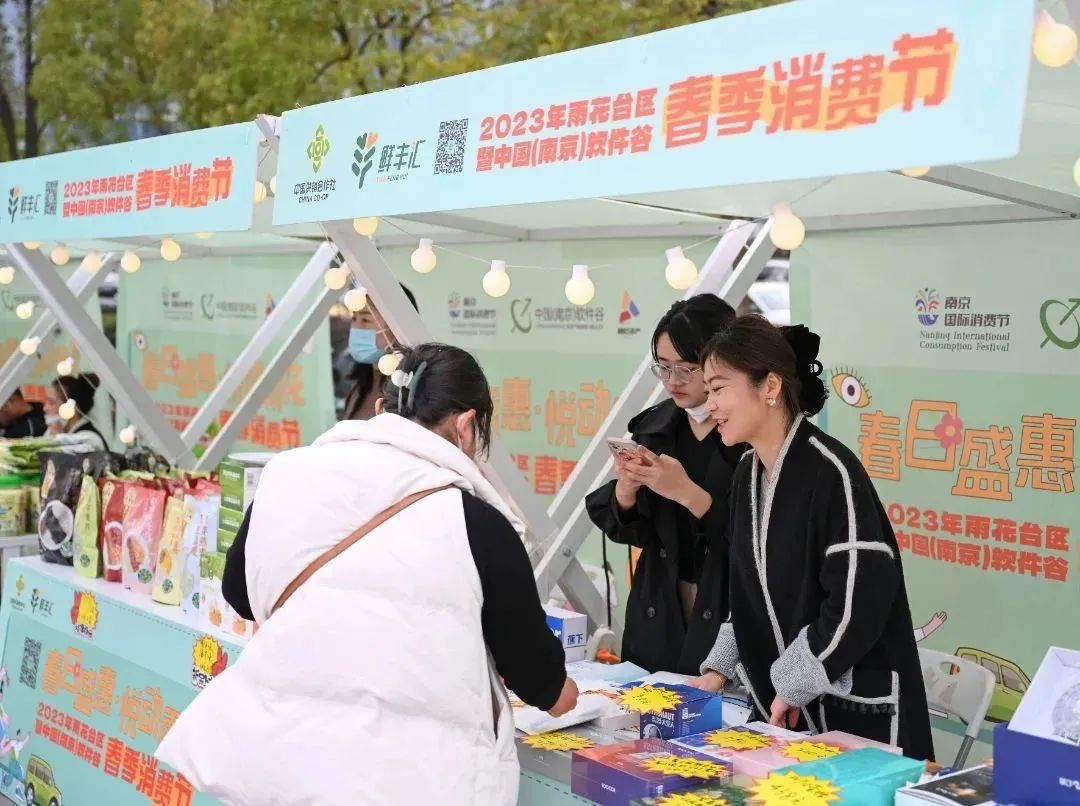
x=805 y=343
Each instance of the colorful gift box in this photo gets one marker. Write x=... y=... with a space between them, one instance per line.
x=551 y=754
x=735 y=746
x=618 y=774
x=693 y=711
x=728 y=794
x=865 y=777
x=847 y=741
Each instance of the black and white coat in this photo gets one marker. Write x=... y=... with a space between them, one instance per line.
x=819 y=611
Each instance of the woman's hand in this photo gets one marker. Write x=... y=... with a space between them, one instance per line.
x=567 y=701
x=783 y=715
x=711 y=681
x=626 y=488
x=666 y=476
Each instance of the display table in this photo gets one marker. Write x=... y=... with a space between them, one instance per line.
x=95 y=676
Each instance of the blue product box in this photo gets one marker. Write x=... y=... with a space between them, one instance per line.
x=1030 y=769
x=867 y=777
x=698 y=712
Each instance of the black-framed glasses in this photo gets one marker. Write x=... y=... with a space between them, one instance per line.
x=676 y=373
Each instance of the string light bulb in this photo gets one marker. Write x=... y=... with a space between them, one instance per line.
x=60 y=255
x=204 y=236
x=24 y=310
x=7 y=275
x=92 y=262
x=170 y=250
x=68 y=410
x=65 y=367
x=355 y=300
x=681 y=273
x=1055 y=43
x=788 y=231
x=30 y=345
x=365 y=226
x=32 y=244
x=916 y=173
x=130 y=262
x=1076 y=179
x=497 y=281
x=336 y=278
x=273 y=184
x=127 y=435
x=389 y=363
x=260 y=192
x=423 y=260
x=579 y=288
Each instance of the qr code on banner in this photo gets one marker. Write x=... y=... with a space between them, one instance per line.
x=450 y=156
x=50 y=197
x=28 y=675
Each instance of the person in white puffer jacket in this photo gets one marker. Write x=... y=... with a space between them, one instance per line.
x=381 y=679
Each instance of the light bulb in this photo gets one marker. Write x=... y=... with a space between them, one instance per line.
x=32 y=244
x=60 y=255
x=365 y=226
x=1055 y=43
x=681 y=273
x=29 y=346
x=24 y=310
x=204 y=236
x=389 y=363
x=130 y=262
x=273 y=184
x=65 y=367
x=579 y=288
x=260 y=192
x=127 y=434
x=68 y=410
x=917 y=172
x=7 y=275
x=336 y=278
x=170 y=250
x=497 y=281
x=355 y=299
x=423 y=259
x=92 y=262
x=788 y=231
x=1076 y=179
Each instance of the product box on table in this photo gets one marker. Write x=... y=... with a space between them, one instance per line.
x=229 y=522
x=620 y=773
x=974 y=787
x=1037 y=755
x=866 y=777
x=698 y=711
x=571 y=629
x=728 y=794
x=239 y=476
x=557 y=764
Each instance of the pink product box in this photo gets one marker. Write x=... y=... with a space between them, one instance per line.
x=847 y=742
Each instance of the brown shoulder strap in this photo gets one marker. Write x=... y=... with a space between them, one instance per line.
x=352 y=539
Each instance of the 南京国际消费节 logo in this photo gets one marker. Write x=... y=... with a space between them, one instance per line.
x=926 y=306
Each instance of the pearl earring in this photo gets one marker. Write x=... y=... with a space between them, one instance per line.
x=771 y=401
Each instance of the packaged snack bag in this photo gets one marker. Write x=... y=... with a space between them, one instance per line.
x=168 y=569
x=88 y=529
x=212 y=605
x=12 y=510
x=200 y=536
x=142 y=534
x=113 y=493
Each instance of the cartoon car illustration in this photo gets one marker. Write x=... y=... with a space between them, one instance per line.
x=41 y=787
x=1011 y=685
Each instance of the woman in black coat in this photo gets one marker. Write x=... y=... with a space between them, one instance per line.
x=670 y=500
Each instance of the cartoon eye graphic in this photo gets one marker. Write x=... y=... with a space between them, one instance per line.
x=851 y=388
x=140 y=341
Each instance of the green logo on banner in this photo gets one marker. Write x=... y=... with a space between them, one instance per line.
x=318 y=148
x=1063 y=329
x=364 y=156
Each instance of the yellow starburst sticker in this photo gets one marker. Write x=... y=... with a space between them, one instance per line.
x=516 y=703
x=792 y=789
x=811 y=751
x=738 y=740
x=685 y=767
x=650 y=699
x=691 y=799
x=558 y=740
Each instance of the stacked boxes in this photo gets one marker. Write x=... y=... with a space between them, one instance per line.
x=239 y=475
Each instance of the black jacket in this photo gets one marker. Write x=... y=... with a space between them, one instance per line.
x=823 y=619
x=657 y=636
x=31 y=424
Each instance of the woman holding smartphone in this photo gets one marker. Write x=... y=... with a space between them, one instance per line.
x=669 y=499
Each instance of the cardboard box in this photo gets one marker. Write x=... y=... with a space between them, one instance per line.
x=558 y=764
x=239 y=476
x=229 y=522
x=1031 y=769
x=698 y=712
x=866 y=777
x=571 y=629
x=729 y=794
x=618 y=774
x=973 y=787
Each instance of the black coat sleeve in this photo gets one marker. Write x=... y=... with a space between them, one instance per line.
x=527 y=654
x=629 y=528
x=234 y=582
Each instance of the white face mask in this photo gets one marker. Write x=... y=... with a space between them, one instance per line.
x=699 y=414
x=52 y=420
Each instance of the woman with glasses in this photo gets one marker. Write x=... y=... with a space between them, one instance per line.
x=670 y=501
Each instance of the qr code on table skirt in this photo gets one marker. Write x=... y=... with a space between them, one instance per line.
x=28 y=674
x=450 y=156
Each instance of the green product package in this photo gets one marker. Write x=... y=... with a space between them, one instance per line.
x=12 y=511
x=212 y=606
x=229 y=524
x=87 y=549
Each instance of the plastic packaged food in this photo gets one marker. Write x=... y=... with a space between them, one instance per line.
x=167 y=573
x=142 y=534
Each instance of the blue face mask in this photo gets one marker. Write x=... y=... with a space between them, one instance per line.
x=363 y=348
